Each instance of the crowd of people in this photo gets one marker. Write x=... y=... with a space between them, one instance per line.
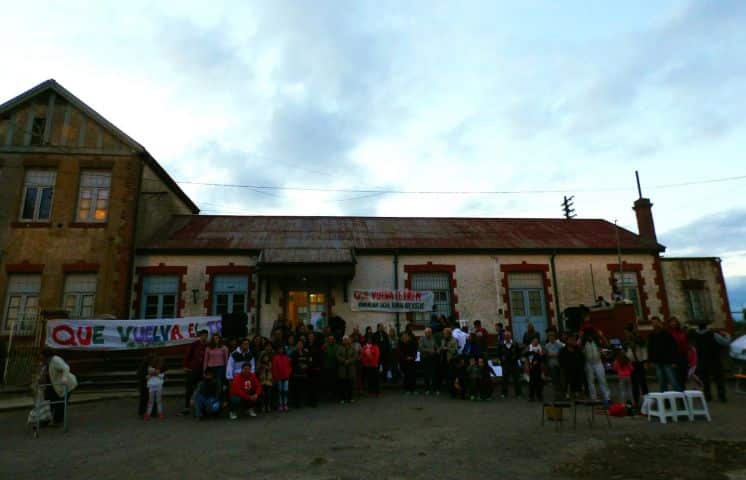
x=297 y=367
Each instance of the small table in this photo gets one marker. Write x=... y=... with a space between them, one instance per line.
x=592 y=404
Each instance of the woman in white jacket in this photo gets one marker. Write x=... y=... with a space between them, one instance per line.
x=56 y=371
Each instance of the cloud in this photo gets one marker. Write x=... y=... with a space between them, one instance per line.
x=713 y=235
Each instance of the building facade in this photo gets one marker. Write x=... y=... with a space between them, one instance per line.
x=77 y=194
x=92 y=225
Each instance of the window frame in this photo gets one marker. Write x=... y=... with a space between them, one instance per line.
x=698 y=288
x=79 y=295
x=94 y=199
x=622 y=285
x=160 y=296
x=24 y=297
x=424 y=318
x=39 y=196
x=218 y=289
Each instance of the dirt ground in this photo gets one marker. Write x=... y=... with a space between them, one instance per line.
x=394 y=437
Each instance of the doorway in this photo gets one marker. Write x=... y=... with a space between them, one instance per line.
x=527 y=304
x=305 y=306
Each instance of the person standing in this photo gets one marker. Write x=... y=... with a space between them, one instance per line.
x=535 y=369
x=281 y=371
x=428 y=357
x=301 y=363
x=681 y=364
x=530 y=334
x=481 y=335
x=447 y=354
x=330 y=365
x=60 y=382
x=347 y=369
x=193 y=364
x=592 y=343
x=499 y=334
x=381 y=339
x=572 y=364
x=510 y=354
x=369 y=358
x=708 y=344
x=408 y=353
x=216 y=359
x=552 y=350
x=662 y=353
x=155 y=391
x=242 y=355
x=314 y=370
x=637 y=352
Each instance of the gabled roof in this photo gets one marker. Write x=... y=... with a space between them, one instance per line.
x=252 y=233
x=52 y=85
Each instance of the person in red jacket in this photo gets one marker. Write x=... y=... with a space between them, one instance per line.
x=193 y=367
x=369 y=357
x=245 y=391
x=281 y=370
x=682 y=349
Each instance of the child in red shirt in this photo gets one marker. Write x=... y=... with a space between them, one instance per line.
x=281 y=370
x=623 y=368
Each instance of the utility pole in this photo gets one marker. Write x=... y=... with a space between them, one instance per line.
x=567 y=207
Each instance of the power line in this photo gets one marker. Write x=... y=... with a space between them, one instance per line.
x=448 y=192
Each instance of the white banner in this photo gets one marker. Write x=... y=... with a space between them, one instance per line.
x=391 y=301
x=127 y=334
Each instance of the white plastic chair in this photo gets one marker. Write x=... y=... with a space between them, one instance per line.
x=697 y=404
x=677 y=405
x=656 y=407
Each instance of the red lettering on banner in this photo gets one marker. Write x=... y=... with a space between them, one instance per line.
x=176 y=333
x=66 y=329
x=89 y=335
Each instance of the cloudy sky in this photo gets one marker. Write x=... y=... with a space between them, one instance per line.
x=570 y=96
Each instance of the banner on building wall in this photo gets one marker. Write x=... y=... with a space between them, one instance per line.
x=127 y=334
x=391 y=301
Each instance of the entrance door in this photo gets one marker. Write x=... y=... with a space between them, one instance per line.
x=527 y=304
x=304 y=306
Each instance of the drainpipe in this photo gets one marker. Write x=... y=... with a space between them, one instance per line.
x=130 y=275
x=258 y=304
x=396 y=284
x=554 y=287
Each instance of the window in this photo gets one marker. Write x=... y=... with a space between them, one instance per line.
x=440 y=285
x=37 y=130
x=627 y=287
x=80 y=295
x=22 y=303
x=159 y=296
x=93 y=201
x=698 y=301
x=230 y=293
x=37 y=195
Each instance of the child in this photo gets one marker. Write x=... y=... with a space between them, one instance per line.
x=534 y=366
x=281 y=370
x=692 y=360
x=264 y=372
x=155 y=390
x=475 y=376
x=623 y=368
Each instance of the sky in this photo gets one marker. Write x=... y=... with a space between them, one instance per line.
x=538 y=98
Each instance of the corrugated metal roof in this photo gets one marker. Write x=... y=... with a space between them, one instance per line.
x=195 y=232
x=306 y=255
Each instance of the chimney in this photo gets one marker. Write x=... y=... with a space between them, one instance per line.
x=644 y=211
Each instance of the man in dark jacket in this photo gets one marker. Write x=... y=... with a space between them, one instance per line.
x=710 y=368
x=572 y=366
x=662 y=353
x=193 y=366
x=509 y=353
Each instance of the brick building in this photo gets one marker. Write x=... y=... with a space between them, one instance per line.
x=91 y=224
x=76 y=195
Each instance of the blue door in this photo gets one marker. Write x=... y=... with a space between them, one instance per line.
x=527 y=304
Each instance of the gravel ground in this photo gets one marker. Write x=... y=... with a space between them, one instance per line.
x=392 y=437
